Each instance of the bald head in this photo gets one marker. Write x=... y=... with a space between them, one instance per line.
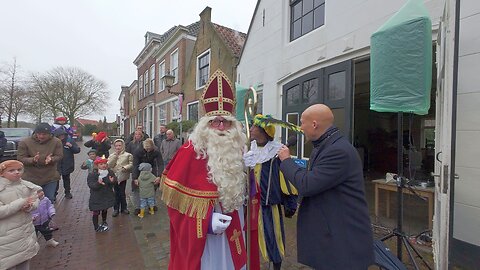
x=316 y=119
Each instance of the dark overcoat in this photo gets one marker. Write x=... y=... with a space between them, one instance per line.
x=67 y=164
x=333 y=225
x=101 y=196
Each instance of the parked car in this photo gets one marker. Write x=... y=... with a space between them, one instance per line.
x=13 y=136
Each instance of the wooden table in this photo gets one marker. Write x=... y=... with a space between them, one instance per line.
x=428 y=193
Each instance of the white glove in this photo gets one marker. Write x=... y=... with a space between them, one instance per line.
x=220 y=222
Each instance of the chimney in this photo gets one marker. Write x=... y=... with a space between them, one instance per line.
x=206 y=14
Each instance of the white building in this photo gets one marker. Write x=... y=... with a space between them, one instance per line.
x=301 y=52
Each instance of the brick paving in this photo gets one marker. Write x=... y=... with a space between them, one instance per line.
x=131 y=243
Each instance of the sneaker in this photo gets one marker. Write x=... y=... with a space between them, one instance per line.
x=125 y=211
x=68 y=196
x=136 y=212
x=102 y=228
x=52 y=243
x=115 y=213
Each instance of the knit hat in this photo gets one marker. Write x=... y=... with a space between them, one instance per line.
x=99 y=160
x=100 y=136
x=43 y=128
x=10 y=164
x=92 y=151
x=59 y=131
x=144 y=167
x=61 y=118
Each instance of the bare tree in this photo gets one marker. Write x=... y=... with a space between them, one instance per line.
x=13 y=92
x=71 y=92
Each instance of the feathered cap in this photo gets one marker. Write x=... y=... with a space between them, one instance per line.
x=268 y=123
x=219 y=95
x=258 y=121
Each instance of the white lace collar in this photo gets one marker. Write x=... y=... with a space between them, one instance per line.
x=258 y=155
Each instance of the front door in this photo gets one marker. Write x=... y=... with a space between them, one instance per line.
x=331 y=86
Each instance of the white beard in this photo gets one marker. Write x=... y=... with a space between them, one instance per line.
x=224 y=150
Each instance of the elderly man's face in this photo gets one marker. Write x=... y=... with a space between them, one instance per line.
x=220 y=123
x=170 y=135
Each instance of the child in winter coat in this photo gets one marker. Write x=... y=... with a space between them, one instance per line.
x=121 y=163
x=42 y=217
x=88 y=164
x=146 y=183
x=17 y=198
x=102 y=197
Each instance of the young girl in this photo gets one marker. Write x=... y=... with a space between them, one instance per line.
x=121 y=163
x=101 y=182
x=17 y=199
x=42 y=217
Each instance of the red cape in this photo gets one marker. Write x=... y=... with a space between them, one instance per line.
x=190 y=198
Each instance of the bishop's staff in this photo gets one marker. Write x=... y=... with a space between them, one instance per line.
x=250 y=109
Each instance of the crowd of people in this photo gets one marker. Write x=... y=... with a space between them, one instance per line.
x=203 y=183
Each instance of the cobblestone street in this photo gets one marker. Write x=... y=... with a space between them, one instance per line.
x=131 y=243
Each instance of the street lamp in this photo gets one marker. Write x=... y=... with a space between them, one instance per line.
x=168 y=81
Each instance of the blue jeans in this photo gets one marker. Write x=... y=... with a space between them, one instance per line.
x=147 y=201
x=49 y=190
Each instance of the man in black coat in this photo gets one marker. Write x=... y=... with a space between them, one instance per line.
x=333 y=226
x=66 y=166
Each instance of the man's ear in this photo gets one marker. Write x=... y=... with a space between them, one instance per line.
x=314 y=124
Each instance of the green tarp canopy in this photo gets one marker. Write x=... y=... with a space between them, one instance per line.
x=240 y=99
x=401 y=62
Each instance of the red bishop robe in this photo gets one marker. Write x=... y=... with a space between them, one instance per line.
x=190 y=198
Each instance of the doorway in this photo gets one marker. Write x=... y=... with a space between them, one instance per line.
x=375 y=138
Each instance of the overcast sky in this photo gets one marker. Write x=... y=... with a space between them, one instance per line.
x=102 y=37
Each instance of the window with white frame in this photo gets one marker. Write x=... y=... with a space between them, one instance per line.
x=192 y=110
x=175 y=109
x=162 y=114
x=145 y=114
x=305 y=16
x=140 y=82
x=146 y=83
x=203 y=68
x=139 y=117
x=161 y=73
x=152 y=79
x=150 y=121
x=174 y=65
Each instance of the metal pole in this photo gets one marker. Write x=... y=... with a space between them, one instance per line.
x=249 y=110
x=400 y=184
